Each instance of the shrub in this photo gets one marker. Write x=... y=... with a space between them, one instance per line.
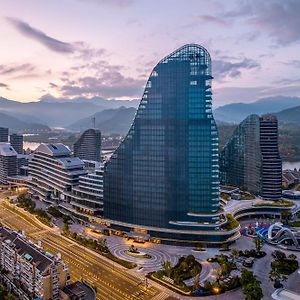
x=232 y=223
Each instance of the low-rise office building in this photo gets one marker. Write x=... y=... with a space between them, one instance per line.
x=87 y=197
x=54 y=172
x=39 y=273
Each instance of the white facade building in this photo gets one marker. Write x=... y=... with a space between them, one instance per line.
x=54 y=172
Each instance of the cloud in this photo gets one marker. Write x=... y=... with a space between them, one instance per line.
x=41 y=37
x=278 y=19
x=293 y=63
x=108 y=85
x=212 y=19
x=116 y=3
x=222 y=68
x=81 y=49
x=13 y=69
x=3 y=85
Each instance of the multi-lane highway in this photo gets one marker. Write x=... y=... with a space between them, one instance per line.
x=111 y=281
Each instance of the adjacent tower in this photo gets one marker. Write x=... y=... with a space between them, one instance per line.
x=251 y=158
x=88 y=146
x=16 y=141
x=3 y=135
x=165 y=174
x=271 y=161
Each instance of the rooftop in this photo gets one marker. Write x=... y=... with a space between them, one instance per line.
x=7 y=150
x=57 y=149
x=24 y=248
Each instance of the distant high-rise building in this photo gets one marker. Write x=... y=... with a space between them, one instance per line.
x=3 y=135
x=16 y=141
x=271 y=161
x=164 y=177
x=8 y=162
x=88 y=146
x=251 y=158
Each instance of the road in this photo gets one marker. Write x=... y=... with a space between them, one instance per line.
x=111 y=281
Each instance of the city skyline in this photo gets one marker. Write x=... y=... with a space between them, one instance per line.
x=106 y=48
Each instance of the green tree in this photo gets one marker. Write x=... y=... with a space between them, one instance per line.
x=279 y=255
x=167 y=268
x=196 y=283
x=276 y=277
x=253 y=291
x=258 y=244
x=234 y=254
x=292 y=257
x=285 y=216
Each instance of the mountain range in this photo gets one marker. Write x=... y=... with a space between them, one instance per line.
x=15 y=124
x=108 y=121
x=59 y=112
x=236 y=112
x=115 y=116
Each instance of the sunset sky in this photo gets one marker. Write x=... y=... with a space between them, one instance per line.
x=107 y=48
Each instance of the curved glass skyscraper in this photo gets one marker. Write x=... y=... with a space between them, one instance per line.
x=251 y=158
x=165 y=174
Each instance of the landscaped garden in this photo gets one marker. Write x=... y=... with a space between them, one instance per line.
x=251 y=286
x=279 y=203
x=174 y=276
x=135 y=252
x=99 y=246
x=24 y=201
x=283 y=264
x=232 y=223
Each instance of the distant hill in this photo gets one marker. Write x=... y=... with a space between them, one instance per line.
x=236 y=112
x=60 y=112
x=290 y=115
x=15 y=124
x=108 y=121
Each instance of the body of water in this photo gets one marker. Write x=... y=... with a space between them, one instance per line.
x=30 y=145
x=291 y=165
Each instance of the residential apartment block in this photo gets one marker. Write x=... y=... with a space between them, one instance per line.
x=39 y=273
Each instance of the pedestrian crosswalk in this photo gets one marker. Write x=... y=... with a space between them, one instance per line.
x=160 y=296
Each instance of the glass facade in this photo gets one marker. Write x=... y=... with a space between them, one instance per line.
x=240 y=161
x=251 y=159
x=165 y=173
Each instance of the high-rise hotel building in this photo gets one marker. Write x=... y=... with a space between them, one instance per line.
x=163 y=179
x=251 y=158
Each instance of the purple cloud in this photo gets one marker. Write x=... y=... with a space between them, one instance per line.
x=211 y=19
x=3 y=85
x=222 y=68
x=41 y=37
x=279 y=19
x=13 y=69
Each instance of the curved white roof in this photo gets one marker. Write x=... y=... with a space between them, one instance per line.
x=57 y=149
x=7 y=150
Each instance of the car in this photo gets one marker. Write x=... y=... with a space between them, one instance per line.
x=140 y=268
